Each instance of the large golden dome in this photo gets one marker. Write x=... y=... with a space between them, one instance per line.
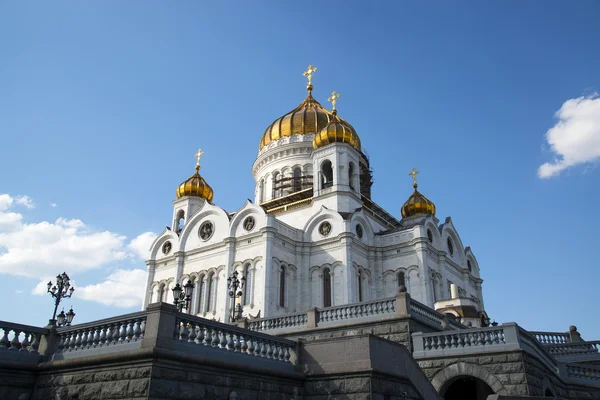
x=337 y=131
x=195 y=185
x=417 y=204
x=308 y=117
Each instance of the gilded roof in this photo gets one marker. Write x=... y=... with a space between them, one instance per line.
x=308 y=117
x=417 y=204
x=337 y=131
x=195 y=185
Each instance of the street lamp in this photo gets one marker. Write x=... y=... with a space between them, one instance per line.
x=65 y=319
x=183 y=298
x=235 y=287
x=59 y=292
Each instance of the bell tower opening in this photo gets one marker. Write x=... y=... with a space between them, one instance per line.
x=326 y=174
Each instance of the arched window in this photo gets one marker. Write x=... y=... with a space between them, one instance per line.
x=201 y=291
x=326 y=288
x=401 y=279
x=434 y=283
x=469 y=265
x=297 y=183
x=261 y=191
x=275 y=185
x=247 y=285
x=450 y=246
x=360 y=285
x=211 y=292
x=282 y=286
x=351 y=175
x=180 y=220
x=326 y=174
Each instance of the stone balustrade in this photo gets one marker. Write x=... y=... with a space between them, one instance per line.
x=365 y=309
x=530 y=344
x=572 y=349
x=463 y=341
x=583 y=373
x=109 y=335
x=20 y=342
x=219 y=336
x=550 y=337
x=425 y=314
x=294 y=321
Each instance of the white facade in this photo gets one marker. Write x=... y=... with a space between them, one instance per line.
x=291 y=258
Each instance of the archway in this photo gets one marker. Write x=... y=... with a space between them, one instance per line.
x=465 y=388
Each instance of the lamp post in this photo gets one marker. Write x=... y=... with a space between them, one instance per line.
x=183 y=298
x=65 y=319
x=235 y=287
x=62 y=290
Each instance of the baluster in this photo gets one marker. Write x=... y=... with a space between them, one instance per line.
x=243 y=344
x=270 y=350
x=287 y=354
x=95 y=339
x=102 y=336
x=177 y=332
x=4 y=343
x=237 y=343
x=129 y=333
x=87 y=339
x=455 y=339
x=122 y=332
x=275 y=350
x=184 y=331
x=14 y=343
x=142 y=328
x=208 y=337
x=193 y=335
x=200 y=337
x=215 y=338
x=263 y=350
x=230 y=344
x=137 y=329
x=70 y=341
x=223 y=342
x=78 y=340
x=427 y=343
x=35 y=344
x=25 y=342
x=251 y=346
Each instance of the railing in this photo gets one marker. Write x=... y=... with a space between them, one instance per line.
x=198 y=331
x=460 y=341
x=455 y=324
x=20 y=338
x=551 y=337
x=580 y=348
x=530 y=344
x=276 y=323
x=112 y=334
x=426 y=314
x=356 y=310
x=583 y=372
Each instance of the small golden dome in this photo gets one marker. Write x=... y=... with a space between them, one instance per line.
x=337 y=131
x=195 y=185
x=308 y=117
x=417 y=204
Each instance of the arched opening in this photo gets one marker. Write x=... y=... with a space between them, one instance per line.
x=465 y=388
x=200 y=307
x=211 y=292
x=247 y=285
x=548 y=393
x=401 y=279
x=180 y=221
x=297 y=180
x=351 y=175
x=282 y=286
x=360 y=285
x=326 y=288
x=261 y=191
x=326 y=174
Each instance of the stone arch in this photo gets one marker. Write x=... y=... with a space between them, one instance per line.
x=467 y=369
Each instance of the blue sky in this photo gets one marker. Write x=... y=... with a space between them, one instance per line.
x=103 y=105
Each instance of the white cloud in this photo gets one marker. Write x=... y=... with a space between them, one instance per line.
x=123 y=288
x=47 y=248
x=53 y=205
x=18 y=291
x=141 y=244
x=575 y=139
x=25 y=201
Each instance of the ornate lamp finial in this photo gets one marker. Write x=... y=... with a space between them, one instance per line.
x=198 y=155
x=308 y=73
x=414 y=173
x=333 y=99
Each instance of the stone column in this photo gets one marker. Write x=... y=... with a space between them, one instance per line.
x=160 y=326
x=269 y=237
x=179 y=258
x=346 y=242
x=150 y=267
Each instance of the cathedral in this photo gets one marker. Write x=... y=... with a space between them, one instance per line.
x=314 y=236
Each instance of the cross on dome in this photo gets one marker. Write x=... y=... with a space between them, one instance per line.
x=333 y=99
x=414 y=174
x=308 y=73
x=198 y=155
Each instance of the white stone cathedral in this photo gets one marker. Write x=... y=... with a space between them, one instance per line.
x=313 y=237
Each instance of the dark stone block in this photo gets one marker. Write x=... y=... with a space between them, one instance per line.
x=191 y=391
x=163 y=388
x=138 y=387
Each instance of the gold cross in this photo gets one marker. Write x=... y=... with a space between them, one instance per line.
x=198 y=155
x=308 y=73
x=414 y=173
x=333 y=99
